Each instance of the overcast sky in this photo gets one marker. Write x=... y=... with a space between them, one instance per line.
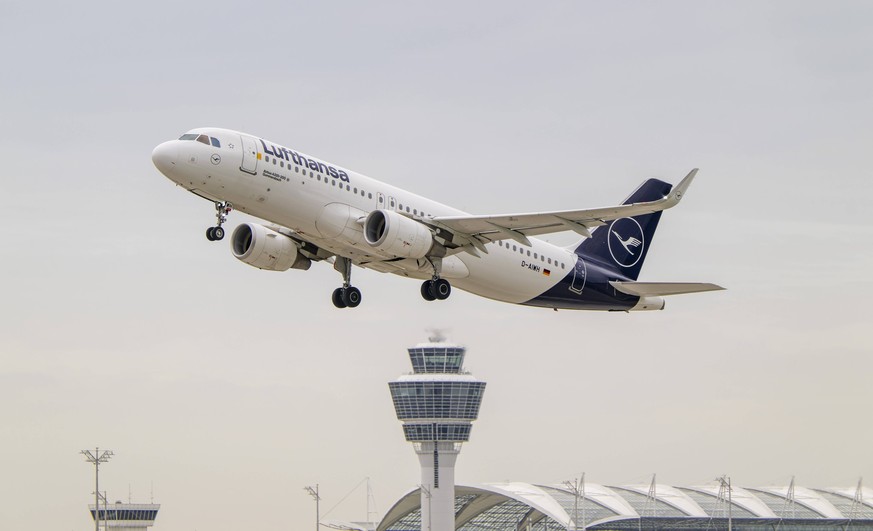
x=229 y=389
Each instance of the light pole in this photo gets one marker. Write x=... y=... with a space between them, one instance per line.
x=427 y=494
x=314 y=493
x=578 y=488
x=96 y=458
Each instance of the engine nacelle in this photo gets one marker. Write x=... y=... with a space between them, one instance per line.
x=264 y=248
x=396 y=235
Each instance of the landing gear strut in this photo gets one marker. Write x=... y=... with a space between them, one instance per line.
x=347 y=296
x=222 y=209
x=437 y=288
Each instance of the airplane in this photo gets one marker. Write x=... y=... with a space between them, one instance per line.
x=318 y=211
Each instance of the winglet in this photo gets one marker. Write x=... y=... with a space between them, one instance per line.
x=679 y=190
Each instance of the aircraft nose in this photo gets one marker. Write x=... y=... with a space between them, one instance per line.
x=164 y=157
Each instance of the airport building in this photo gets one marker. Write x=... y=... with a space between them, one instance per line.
x=718 y=506
x=439 y=401
x=437 y=404
x=129 y=516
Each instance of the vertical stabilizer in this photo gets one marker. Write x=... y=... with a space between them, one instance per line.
x=622 y=244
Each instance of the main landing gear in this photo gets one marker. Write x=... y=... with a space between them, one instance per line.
x=347 y=296
x=437 y=288
x=222 y=209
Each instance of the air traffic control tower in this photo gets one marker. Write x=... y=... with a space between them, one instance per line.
x=437 y=404
x=129 y=516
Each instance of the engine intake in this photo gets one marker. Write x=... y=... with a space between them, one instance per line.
x=396 y=235
x=265 y=248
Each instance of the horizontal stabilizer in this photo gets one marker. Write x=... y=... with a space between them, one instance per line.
x=660 y=289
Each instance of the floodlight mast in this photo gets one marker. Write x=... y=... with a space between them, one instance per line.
x=96 y=458
x=314 y=493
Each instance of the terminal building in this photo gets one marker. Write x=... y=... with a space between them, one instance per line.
x=528 y=507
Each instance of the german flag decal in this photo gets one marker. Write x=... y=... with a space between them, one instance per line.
x=546 y=272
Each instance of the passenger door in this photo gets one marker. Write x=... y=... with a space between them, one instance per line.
x=250 y=155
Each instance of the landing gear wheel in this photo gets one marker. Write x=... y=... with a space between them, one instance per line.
x=217 y=233
x=351 y=296
x=337 y=298
x=210 y=234
x=427 y=290
x=441 y=289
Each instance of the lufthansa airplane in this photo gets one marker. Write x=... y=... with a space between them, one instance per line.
x=318 y=211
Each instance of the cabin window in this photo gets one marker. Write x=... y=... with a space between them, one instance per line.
x=282 y=164
x=348 y=188
x=356 y=189
x=274 y=161
x=215 y=142
x=414 y=211
x=266 y=158
x=203 y=139
x=514 y=248
x=296 y=169
x=371 y=196
x=528 y=252
x=550 y=261
x=319 y=177
x=535 y=255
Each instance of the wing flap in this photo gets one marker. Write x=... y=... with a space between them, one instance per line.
x=516 y=226
x=660 y=289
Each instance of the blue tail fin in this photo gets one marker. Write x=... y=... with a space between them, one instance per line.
x=623 y=244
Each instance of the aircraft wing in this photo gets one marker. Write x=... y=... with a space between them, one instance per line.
x=659 y=289
x=475 y=230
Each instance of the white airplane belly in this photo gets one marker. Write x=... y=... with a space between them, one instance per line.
x=502 y=276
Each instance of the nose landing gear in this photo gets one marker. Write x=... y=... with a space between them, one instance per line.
x=222 y=209
x=347 y=296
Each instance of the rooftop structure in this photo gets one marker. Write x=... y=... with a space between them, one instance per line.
x=437 y=404
x=129 y=516
x=527 y=507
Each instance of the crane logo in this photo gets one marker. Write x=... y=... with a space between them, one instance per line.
x=626 y=241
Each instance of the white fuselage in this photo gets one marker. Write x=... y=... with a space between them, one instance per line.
x=325 y=205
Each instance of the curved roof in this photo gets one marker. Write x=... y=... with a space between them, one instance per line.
x=514 y=505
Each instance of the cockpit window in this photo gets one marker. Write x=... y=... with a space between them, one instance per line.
x=215 y=142
x=188 y=136
x=203 y=139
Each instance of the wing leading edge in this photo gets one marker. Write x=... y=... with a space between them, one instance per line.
x=478 y=229
x=661 y=289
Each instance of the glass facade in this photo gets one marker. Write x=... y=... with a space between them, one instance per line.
x=437 y=360
x=587 y=508
x=529 y=510
x=646 y=506
x=715 y=507
x=783 y=508
x=437 y=400
x=848 y=506
x=126 y=514
x=506 y=515
x=444 y=432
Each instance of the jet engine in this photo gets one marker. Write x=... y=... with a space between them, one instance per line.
x=396 y=235
x=264 y=248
